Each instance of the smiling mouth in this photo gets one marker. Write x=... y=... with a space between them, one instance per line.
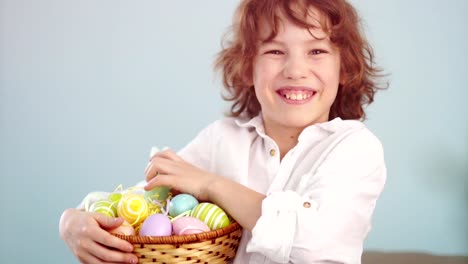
x=297 y=97
x=296 y=94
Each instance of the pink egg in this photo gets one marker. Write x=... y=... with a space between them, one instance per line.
x=188 y=225
x=124 y=229
x=156 y=225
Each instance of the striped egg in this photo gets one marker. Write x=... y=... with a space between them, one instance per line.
x=133 y=208
x=104 y=207
x=211 y=214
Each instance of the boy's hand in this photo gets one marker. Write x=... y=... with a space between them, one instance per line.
x=85 y=233
x=168 y=169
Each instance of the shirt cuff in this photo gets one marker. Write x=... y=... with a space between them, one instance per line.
x=91 y=198
x=273 y=235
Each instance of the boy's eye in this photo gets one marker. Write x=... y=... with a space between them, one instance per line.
x=274 y=52
x=317 y=51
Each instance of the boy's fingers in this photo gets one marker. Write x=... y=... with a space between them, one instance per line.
x=166 y=154
x=170 y=154
x=89 y=259
x=150 y=184
x=111 y=256
x=107 y=222
x=152 y=171
x=158 y=167
x=148 y=167
x=161 y=180
x=106 y=239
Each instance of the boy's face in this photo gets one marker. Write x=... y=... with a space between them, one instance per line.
x=296 y=76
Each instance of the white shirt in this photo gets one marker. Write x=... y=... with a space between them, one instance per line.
x=337 y=168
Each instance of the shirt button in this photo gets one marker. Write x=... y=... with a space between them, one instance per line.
x=272 y=152
x=306 y=205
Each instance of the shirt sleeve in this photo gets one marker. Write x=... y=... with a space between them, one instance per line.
x=91 y=198
x=330 y=220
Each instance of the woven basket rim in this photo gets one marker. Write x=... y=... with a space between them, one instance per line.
x=181 y=239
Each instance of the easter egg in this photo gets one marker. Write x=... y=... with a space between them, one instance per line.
x=211 y=214
x=182 y=203
x=124 y=229
x=115 y=197
x=104 y=207
x=188 y=225
x=156 y=225
x=159 y=193
x=156 y=198
x=133 y=208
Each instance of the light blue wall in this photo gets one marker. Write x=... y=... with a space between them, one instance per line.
x=422 y=121
x=86 y=87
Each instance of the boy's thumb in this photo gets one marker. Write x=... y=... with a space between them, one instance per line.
x=107 y=222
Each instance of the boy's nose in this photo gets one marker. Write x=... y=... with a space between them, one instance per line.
x=295 y=67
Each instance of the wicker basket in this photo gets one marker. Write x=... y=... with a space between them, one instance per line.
x=218 y=246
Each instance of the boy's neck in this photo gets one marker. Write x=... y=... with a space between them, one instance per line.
x=285 y=137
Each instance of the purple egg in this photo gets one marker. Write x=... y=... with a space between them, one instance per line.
x=189 y=225
x=156 y=225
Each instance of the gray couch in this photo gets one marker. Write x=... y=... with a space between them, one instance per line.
x=374 y=257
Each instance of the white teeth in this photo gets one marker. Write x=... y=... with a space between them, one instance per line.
x=297 y=97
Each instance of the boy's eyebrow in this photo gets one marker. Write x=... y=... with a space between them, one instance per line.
x=279 y=42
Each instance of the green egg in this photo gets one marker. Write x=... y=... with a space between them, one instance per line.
x=105 y=207
x=212 y=215
x=159 y=193
x=115 y=197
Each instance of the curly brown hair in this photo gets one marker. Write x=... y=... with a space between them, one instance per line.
x=359 y=75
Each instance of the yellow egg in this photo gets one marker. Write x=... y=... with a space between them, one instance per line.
x=133 y=208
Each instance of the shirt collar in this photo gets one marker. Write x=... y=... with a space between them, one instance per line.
x=328 y=127
x=255 y=122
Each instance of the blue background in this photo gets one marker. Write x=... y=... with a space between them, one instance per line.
x=87 y=87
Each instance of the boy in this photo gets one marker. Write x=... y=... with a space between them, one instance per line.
x=292 y=164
